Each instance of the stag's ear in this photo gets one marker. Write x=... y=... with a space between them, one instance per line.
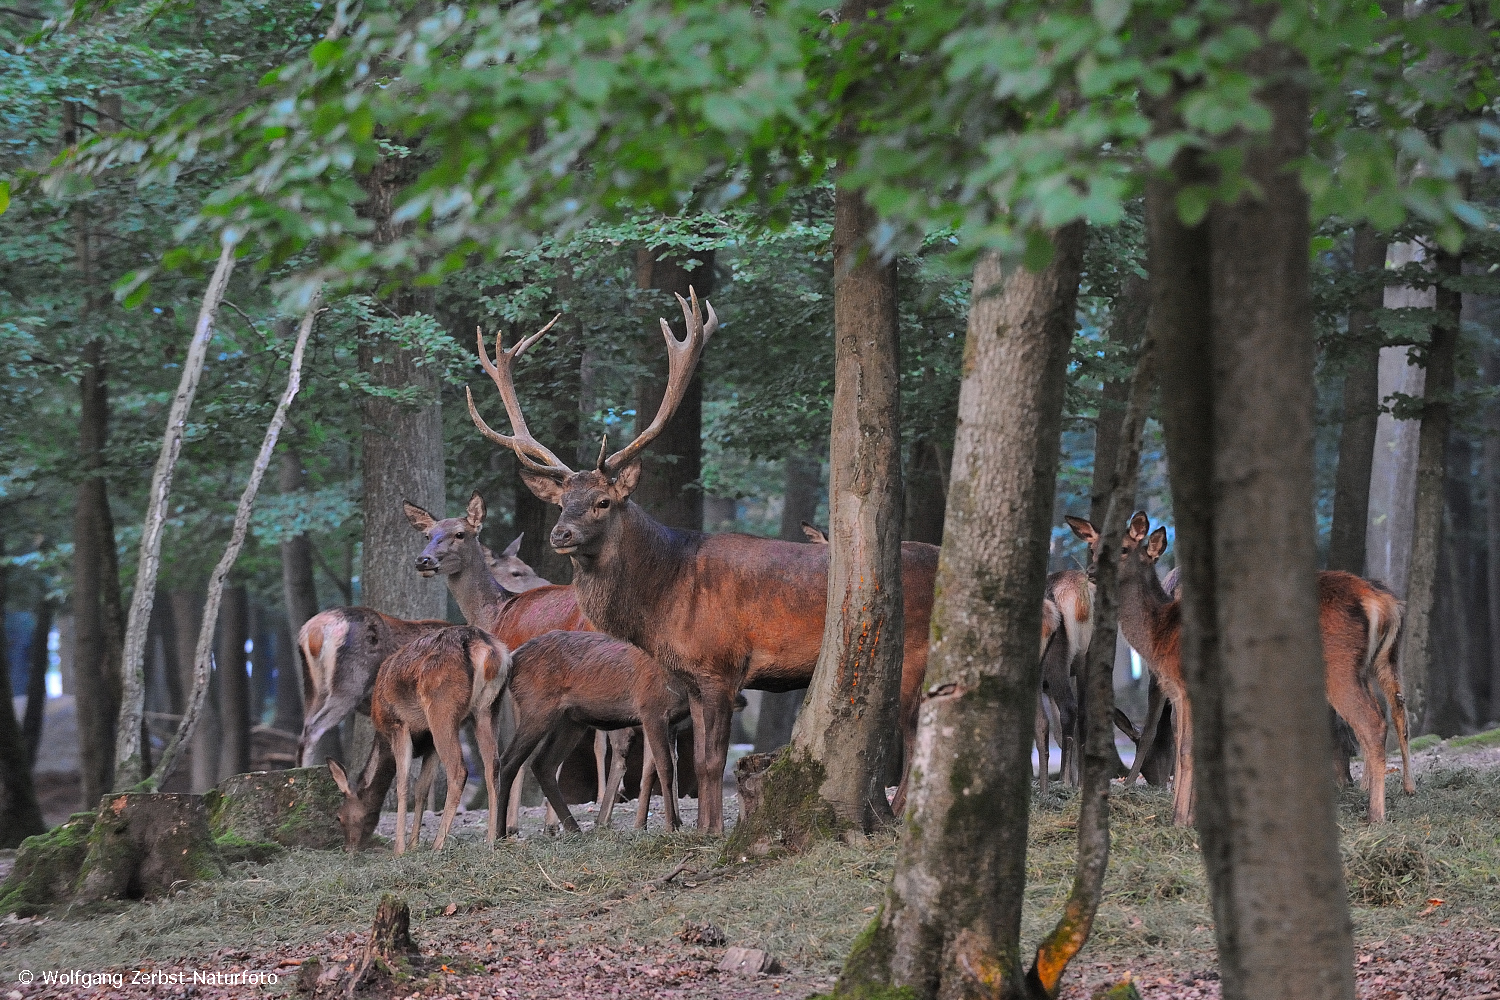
x=625 y=483
x=814 y=534
x=544 y=488
x=1157 y=545
x=476 y=511
x=1083 y=528
x=419 y=518
x=340 y=778
x=514 y=548
x=1139 y=525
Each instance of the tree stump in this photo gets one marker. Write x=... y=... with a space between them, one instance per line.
x=750 y=775
x=390 y=941
x=146 y=846
x=46 y=868
x=294 y=808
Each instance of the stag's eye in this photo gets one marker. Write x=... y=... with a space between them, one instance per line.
x=459 y=536
x=603 y=503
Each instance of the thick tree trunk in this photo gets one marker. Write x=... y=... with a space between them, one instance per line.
x=669 y=489
x=847 y=726
x=36 y=680
x=1492 y=532
x=965 y=826
x=1427 y=517
x=1228 y=297
x=234 y=683
x=96 y=588
x=20 y=814
x=1351 y=491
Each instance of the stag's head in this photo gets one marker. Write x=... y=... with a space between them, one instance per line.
x=453 y=542
x=592 y=500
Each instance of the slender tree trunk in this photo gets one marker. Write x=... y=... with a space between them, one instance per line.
x=1427 y=520
x=669 y=488
x=850 y=717
x=804 y=488
x=166 y=619
x=1229 y=296
x=234 y=682
x=299 y=592
x=130 y=769
x=96 y=657
x=1351 y=491
x=36 y=680
x=939 y=933
x=20 y=813
x=208 y=738
x=926 y=493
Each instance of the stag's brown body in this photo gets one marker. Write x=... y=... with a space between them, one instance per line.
x=1360 y=623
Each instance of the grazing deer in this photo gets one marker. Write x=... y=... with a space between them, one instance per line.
x=430 y=687
x=565 y=683
x=723 y=612
x=1360 y=623
x=342 y=647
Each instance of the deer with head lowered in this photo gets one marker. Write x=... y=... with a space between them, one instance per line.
x=428 y=688
x=721 y=612
x=1360 y=622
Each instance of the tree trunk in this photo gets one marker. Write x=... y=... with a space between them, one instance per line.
x=234 y=683
x=1427 y=516
x=1227 y=296
x=299 y=592
x=926 y=493
x=965 y=826
x=1351 y=491
x=208 y=740
x=20 y=813
x=669 y=489
x=804 y=488
x=533 y=522
x=96 y=588
x=165 y=625
x=36 y=679
x=1492 y=531
x=846 y=727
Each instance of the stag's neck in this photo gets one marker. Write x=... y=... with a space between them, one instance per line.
x=1142 y=605
x=623 y=588
x=477 y=594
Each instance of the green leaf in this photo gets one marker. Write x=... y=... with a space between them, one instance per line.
x=1193 y=202
x=4 y=196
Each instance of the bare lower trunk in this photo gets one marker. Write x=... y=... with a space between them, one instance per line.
x=850 y=717
x=1458 y=618
x=234 y=683
x=970 y=794
x=96 y=590
x=20 y=814
x=925 y=493
x=1492 y=532
x=36 y=680
x=299 y=591
x=1427 y=518
x=669 y=489
x=803 y=491
x=1232 y=320
x=1351 y=491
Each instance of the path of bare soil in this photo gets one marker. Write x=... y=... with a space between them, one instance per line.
x=595 y=915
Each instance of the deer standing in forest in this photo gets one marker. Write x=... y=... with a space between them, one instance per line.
x=1360 y=623
x=343 y=647
x=722 y=612
x=429 y=687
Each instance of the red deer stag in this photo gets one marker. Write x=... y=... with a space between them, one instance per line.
x=342 y=647
x=1360 y=622
x=430 y=687
x=723 y=612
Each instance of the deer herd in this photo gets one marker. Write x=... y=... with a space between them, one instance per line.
x=662 y=625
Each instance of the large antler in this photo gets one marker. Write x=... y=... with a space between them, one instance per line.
x=533 y=454
x=682 y=358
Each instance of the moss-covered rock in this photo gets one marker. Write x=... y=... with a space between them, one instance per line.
x=780 y=806
x=46 y=867
x=146 y=846
x=293 y=808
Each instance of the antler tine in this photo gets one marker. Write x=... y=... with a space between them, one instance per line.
x=533 y=454
x=682 y=358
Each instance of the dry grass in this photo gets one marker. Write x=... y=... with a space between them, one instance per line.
x=586 y=890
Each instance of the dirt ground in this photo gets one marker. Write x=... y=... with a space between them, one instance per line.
x=638 y=916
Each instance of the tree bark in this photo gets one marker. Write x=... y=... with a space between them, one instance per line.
x=669 y=489
x=129 y=766
x=234 y=683
x=1227 y=295
x=1492 y=531
x=965 y=826
x=926 y=493
x=1351 y=491
x=96 y=588
x=20 y=813
x=166 y=626
x=1427 y=517
x=299 y=593
x=36 y=679
x=850 y=717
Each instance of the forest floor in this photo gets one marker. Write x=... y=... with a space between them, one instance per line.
x=597 y=916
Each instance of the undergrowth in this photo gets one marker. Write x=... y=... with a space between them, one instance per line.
x=805 y=909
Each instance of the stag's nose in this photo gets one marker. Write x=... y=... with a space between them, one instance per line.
x=563 y=537
x=426 y=564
